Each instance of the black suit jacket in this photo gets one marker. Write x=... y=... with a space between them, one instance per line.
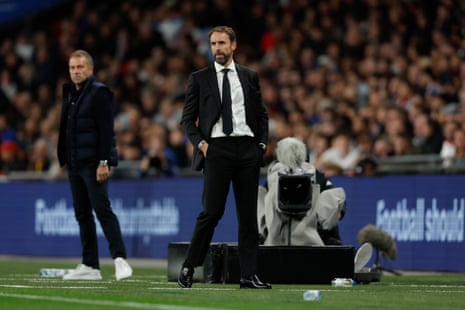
x=202 y=107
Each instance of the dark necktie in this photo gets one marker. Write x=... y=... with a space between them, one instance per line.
x=226 y=112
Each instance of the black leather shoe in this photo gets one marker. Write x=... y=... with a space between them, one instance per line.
x=254 y=282
x=186 y=276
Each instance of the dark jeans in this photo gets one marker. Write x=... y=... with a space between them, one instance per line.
x=90 y=195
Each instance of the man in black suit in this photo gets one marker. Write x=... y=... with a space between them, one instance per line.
x=226 y=121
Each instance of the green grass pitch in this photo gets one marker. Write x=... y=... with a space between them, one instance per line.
x=21 y=287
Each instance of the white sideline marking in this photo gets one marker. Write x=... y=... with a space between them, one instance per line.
x=35 y=287
x=128 y=304
x=431 y=285
x=194 y=288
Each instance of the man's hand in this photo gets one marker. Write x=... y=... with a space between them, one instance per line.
x=103 y=172
x=204 y=148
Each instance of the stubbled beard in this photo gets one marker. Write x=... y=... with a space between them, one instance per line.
x=222 y=59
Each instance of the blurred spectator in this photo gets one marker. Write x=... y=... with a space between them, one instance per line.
x=342 y=152
x=397 y=123
x=158 y=160
x=149 y=105
x=177 y=144
x=11 y=158
x=402 y=145
x=459 y=147
x=428 y=135
x=45 y=65
x=168 y=115
x=331 y=169
x=128 y=119
x=382 y=148
x=39 y=158
x=318 y=144
x=6 y=131
x=366 y=167
x=448 y=148
x=4 y=102
x=128 y=145
x=365 y=146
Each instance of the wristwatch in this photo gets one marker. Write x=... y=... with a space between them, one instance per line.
x=103 y=162
x=201 y=143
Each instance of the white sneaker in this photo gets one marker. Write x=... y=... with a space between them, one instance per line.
x=122 y=269
x=362 y=257
x=83 y=272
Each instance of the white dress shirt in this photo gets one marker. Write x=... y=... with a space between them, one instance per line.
x=240 y=127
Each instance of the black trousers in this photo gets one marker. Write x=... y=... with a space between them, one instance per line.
x=229 y=160
x=88 y=195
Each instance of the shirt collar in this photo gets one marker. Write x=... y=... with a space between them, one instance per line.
x=219 y=68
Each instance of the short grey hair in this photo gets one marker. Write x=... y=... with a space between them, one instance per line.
x=83 y=53
x=291 y=152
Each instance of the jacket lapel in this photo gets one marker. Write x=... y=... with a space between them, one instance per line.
x=243 y=80
x=213 y=84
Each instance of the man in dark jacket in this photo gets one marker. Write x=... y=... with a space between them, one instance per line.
x=86 y=145
x=229 y=139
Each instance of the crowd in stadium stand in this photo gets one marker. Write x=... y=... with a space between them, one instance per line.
x=355 y=80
